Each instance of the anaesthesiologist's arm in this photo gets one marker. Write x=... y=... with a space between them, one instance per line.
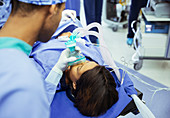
x=56 y=73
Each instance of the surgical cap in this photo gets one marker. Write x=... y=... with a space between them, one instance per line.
x=42 y=2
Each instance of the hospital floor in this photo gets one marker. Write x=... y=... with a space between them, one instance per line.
x=153 y=45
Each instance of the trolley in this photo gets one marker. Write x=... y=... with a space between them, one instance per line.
x=116 y=13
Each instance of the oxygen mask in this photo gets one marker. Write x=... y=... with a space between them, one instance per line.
x=71 y=44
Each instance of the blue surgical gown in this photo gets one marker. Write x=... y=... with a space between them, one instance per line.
x=22 y=91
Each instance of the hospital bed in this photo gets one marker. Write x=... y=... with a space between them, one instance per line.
x=61 y=105
x=155 y=95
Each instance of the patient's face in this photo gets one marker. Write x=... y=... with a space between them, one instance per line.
x=77 y=70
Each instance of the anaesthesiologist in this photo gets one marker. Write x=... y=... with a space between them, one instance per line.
x=23 y=93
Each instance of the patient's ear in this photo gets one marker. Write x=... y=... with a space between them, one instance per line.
x=74 y=85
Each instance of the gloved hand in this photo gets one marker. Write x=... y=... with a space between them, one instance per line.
x=61 y=65
x=69 y=14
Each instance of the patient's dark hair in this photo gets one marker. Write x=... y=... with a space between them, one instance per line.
x=24 y=9
x=95 y=92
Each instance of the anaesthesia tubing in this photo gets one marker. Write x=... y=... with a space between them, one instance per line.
x=81 y=32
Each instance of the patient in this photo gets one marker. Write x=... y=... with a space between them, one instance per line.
x=93 y=87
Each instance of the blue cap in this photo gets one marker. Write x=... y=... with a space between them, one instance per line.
x=43 y=2
x=5 y=10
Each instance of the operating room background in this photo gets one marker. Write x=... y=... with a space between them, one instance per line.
x=154 y=45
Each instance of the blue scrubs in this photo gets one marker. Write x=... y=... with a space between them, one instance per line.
x=93 y=13
x=22 y=89
x=135 y=7
x=73 y=5
x=93 y=10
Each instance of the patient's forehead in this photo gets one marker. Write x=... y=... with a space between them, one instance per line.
x=77 y=70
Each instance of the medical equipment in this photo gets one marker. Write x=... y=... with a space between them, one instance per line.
x=137 y=42
x=160 y=8
x=71 y=45
x=116 y=13
x=138 y=56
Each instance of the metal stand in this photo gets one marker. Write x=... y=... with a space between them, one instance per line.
x=138 y=64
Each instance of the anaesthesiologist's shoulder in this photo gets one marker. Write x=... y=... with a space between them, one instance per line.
x=16 y=62
x=22 y=89
x=46 y=55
